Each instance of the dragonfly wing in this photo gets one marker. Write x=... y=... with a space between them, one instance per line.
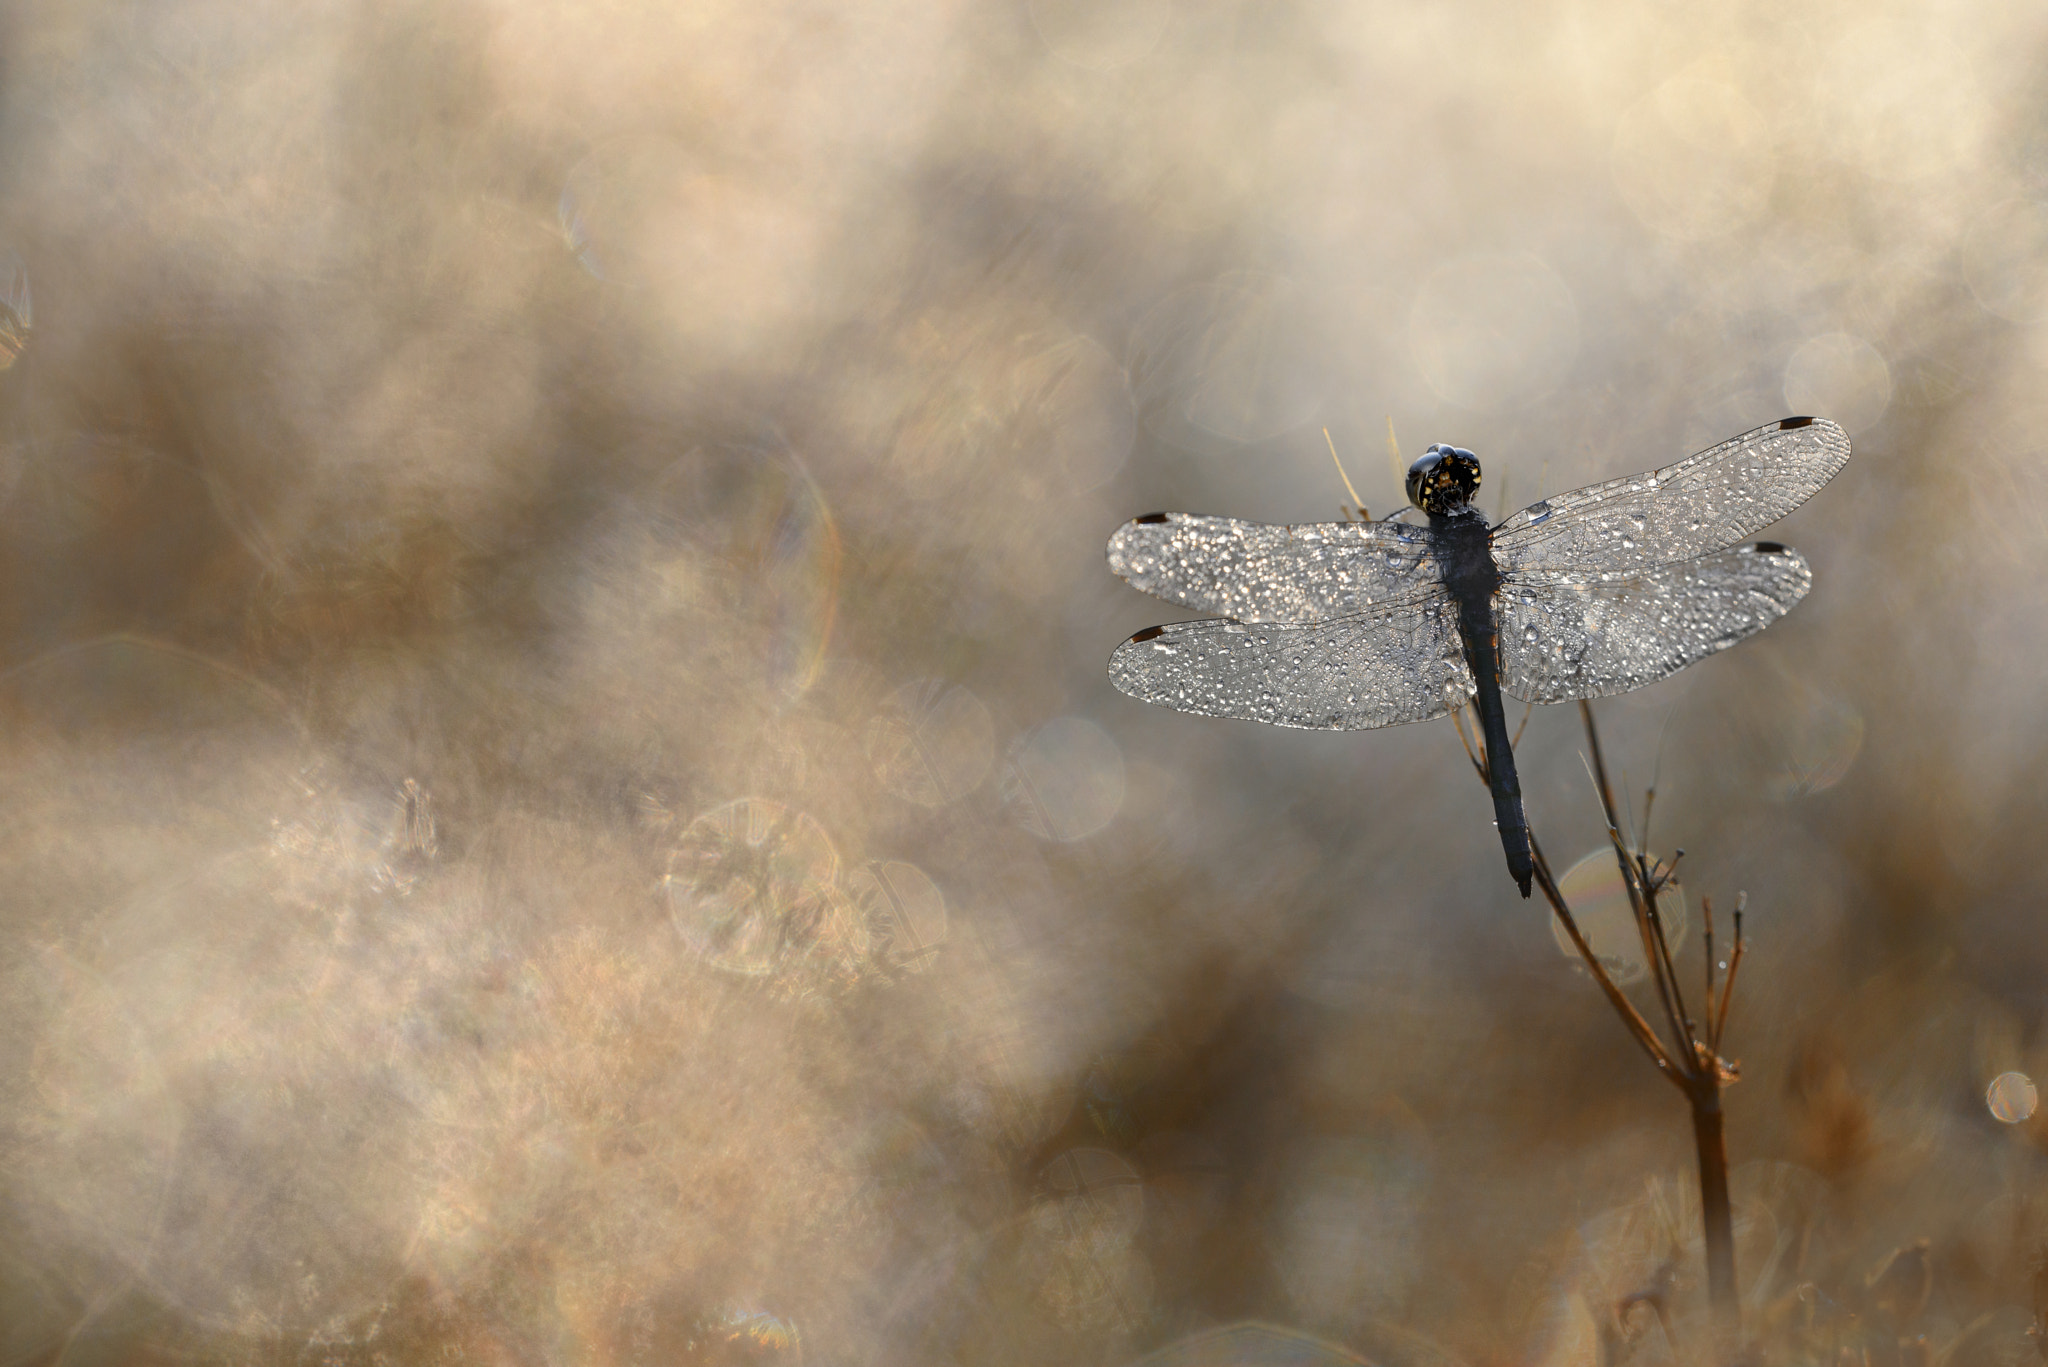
x=1254 y=572
x=1571 y=636
x=1394 y=662
x=1701 y=504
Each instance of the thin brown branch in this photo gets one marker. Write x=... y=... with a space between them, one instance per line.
x=1471 y=752
x=1700 y=1075
x=1630 y=1017
x=1680 y=1074
x=1655 y=917
x=1656 y=955
x=1667 y=993
x=1707 y=911
x=1728 y=986
x=1616 y=998
x=1599 y=769
x=1668 y=872
x=1635 y=841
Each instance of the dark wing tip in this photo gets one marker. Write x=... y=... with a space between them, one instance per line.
x=1147 y=634
x=1790 y=424
x=1771 y=548
x=1161 y=517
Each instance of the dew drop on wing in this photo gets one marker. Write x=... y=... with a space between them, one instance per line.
x=1539 y=512
x=1529 y=633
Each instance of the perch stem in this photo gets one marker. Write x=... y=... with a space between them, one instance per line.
x=1716 y=1215
x=1713 y=1006
x=1623 y=1007
x=1728 y=986
x=1656 y=955
x=1701 y=1066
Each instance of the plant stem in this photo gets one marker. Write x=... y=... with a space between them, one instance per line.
x=1716 y=1218
x=1699 y=1060
x=1691 y=1062
x=1630 y=1017
x=1728 y=984
x=1655 y=952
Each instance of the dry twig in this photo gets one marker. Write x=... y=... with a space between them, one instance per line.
x=1690 y=1058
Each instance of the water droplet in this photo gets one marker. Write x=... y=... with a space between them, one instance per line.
x=742 y=875
x=1599 y=902
x=907 y=909
x=2011 y=1097
x=1819 y=739
x=755 y=1336
x=1529 y=633
x=932 y=742
x=1065 y=780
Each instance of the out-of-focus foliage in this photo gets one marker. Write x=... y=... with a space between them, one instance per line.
x=561 y=803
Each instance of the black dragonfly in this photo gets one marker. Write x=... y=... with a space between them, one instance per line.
x=1344 y=626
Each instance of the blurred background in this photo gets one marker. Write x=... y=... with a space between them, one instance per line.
x=561 y=802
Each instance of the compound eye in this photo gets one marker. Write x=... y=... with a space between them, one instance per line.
x=1419 y=472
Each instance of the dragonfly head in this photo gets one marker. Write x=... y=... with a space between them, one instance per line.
x=1443 y=479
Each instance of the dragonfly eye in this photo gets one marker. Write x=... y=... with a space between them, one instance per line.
x=1443 y=478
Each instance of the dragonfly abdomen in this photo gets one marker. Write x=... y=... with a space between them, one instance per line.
x=1464 y=548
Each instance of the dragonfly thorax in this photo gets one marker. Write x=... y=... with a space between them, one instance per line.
x=1443 y=479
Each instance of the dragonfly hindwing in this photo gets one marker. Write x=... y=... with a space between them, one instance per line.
x=1570 y=636
x=1396 y=662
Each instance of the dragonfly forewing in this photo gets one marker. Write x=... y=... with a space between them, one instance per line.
x=1704 y=503
x=1565 y=636
x=1395 y=662
x=1255 y=572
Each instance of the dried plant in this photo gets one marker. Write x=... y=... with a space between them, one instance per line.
x=1689 y=1054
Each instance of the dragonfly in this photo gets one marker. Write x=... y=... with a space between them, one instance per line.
x=1346 y=626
